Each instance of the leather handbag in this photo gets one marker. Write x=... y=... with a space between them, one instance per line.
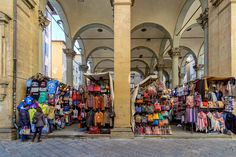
x=160 y=123
x=105 y=131
x=150 y=118
x=90 y=88
x=148 y=130
x=94 y=130
x=139 y=101
x=157 y=107
x=146 y=95
x=97 y=88
x=138 y=119
x=138 y=109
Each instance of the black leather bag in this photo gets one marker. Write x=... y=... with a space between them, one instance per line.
x=105 y=131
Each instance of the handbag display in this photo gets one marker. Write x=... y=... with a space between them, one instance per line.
x=146 y=95
x=139 y=101
x=90 y=88
x=144 y=109
x=150 y=109
x=94 y=130
x=97 y=88
x=220 y=104
x=156 y=131
x=138 y=118
x=150 y=118
x=148 y=130
x=166 y=121
x=140 y=130
x=161 y=123
x=144 y=119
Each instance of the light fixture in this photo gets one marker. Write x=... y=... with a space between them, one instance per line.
x=100 y=30
x=189 y=29
x=143 y=29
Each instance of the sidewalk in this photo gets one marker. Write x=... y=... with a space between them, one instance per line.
x=178 y=133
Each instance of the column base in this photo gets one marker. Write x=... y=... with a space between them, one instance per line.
x=8 y=134
x=125 y=133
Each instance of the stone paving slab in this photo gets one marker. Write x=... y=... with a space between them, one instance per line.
x=120 y=148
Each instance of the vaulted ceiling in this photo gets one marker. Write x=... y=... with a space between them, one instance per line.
x=155 y=24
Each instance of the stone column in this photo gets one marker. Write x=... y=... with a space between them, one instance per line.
x=122 y=56
x=43 y=23
x=203 y=21
x=198 y=68
x=160 y=71
x=174 y=54
x=70 y=54
x=83 y=69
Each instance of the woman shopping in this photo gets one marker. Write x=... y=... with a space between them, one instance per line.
x=39 y=121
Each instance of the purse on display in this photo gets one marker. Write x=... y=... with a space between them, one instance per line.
x=150 y=109
x=166 y=121
x=90 y=88
x=146 y=95
x=204 y=104
x=155 y=116
x=97 y=88
x=160 y=116
x=155 y=122
x=220 y=104
x=144 y=119
x=138 y=109
x=148 y=130
x=161 y=123
x=138 y=118
x=150 y=118
x=139 y=101
x=144 y=109
x=163 y=107
x=93 y=130
x=140 y=130
x=210 y=104
x=156 y=130
x=157 y=107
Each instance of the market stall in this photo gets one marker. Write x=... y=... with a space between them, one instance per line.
x=99 y=114
x=206 y=105
x=151 y=108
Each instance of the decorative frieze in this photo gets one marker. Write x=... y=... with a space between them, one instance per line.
x=216 y=3
x=43 y=21
x=30 y=3
x=203 y=19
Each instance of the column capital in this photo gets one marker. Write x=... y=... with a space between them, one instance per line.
x=216 y=3
x=4 y=18
x=203 y=19
x=174 y=52
x=43 y=21
x=198 y=67
x=122 y=2
x=84 y=68
x=69 y=53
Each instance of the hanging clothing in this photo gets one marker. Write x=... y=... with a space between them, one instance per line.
x=35 y=89
x=43 y=86
x=42 y=97
x=201 y=122
x=52 y=86
x=31 y=114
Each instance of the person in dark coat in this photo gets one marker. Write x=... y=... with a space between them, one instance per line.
x=24 y=120
x=39 y=121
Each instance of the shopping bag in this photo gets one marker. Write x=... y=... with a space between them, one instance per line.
x=25 y=131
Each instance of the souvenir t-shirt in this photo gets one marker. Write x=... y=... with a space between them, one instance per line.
x=28 y=100
x=28 y=86
x=35 y=89
x=43 y=86
x=52 y=86
x=42 y=97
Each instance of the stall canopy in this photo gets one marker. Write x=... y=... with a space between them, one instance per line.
x=106 y=76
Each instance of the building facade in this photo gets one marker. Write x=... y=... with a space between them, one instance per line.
x=116 y=35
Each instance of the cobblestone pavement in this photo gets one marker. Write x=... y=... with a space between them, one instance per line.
x=119 y=148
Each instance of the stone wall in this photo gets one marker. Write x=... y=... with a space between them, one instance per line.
x=222 y=57
x=27 y=56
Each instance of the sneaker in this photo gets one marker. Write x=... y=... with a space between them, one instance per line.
x=39 y=141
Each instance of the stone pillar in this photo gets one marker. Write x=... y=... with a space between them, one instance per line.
x=70 y=54
x=198 y=68
x=203 y=21
x=122 y=56
x=6 y=110
x=83 y=69
x=174 y=54
x=160 y=71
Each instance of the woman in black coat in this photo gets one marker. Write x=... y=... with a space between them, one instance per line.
x=24 y=120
